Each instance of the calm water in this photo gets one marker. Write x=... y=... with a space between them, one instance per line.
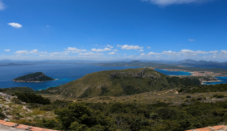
x=177 y=73
x=64 y=73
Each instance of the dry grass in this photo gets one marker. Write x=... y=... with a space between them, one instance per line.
x=166 y=96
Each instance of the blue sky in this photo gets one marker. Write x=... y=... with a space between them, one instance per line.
x=113 y=29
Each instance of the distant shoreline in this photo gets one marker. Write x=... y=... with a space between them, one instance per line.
x=32 y=81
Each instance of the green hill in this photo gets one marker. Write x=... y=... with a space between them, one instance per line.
x=33 y=77
x=120 y=82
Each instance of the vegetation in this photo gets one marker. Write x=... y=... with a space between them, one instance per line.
x=137 y=117
x=166 y=111
x=205 y=88
x=16 y=89
x=120 y=83
x=32 y=98
x=38 y=76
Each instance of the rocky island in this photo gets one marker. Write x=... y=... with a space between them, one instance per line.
x=33 y=77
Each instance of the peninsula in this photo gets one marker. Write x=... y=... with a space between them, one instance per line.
x=33 y=77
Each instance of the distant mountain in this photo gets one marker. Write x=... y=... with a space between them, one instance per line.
x=203 y=63
x=120 y=82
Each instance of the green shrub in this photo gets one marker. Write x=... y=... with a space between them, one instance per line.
x=218 y=96
x=32 y=98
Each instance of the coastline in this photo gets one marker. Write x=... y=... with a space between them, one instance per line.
x=32 y=81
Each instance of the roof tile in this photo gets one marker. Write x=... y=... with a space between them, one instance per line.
x=36 y=129
x=214 y=128
x=11 y=124
x=21 y=126
x=219 y=127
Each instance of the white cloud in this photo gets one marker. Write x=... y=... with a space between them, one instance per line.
x=111 y=53
x=109 y=46
x=2 y=6
x=130 y=47
x=90 y=54
x=74 y=50
x=140 y=50
x=100 y=50
x=15 y=25
x=22 y=52
x=148 y=47
x=56 y=53
x=7 y=49
x=152 y=53
x=125 y=54
x=191 y=40
x=224 y=51
x=35 y=51
x=142 y=54
x=169 y=2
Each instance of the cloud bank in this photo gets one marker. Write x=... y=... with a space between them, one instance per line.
x=133 y=52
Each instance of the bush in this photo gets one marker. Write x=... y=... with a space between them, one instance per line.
x=188 y=96
x=2 y=116
x=218 y=96
x=32 y=98
x=16 y=101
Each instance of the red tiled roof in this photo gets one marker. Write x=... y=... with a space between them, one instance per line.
x=21 y=126
x=214 y=128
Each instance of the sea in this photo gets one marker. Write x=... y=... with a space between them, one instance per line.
x=175 y=73
x=64 y=73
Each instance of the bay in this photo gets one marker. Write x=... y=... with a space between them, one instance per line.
x=222 y=80
x=175 y=73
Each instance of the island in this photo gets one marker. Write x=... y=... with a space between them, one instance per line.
x=33 y=77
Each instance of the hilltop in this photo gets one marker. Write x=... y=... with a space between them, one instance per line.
x=120 y=83
x=33 y=77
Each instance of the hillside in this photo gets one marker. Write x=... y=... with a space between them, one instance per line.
x=120 y=82
x=33 y=77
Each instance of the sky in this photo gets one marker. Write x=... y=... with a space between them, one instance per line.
x=113 y=30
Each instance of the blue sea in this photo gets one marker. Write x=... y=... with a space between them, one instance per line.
x=63 y=73
x=176 y=73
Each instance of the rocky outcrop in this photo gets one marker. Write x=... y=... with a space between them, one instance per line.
x=34 y=77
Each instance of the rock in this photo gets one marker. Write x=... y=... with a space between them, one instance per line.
x=6 y=119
